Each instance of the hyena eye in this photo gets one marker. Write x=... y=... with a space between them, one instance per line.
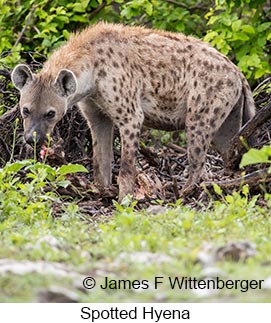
x=26 y=112
x=50 y=115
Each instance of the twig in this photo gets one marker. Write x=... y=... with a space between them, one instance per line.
x=150 y=155
x=9 y=116
x=175 y=187
x=98 y=9
x=181 y=5
x=176 y=148
x=253 y=179
x=27 y=23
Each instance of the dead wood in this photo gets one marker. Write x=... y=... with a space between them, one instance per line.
x=253 y=179
x=247 y=134
x=8 y=117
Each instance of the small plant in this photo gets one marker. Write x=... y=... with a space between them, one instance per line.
x=127 y=205
x=28 y=188
x=257 y=156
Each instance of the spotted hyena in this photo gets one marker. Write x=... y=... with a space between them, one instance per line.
x=132 y=76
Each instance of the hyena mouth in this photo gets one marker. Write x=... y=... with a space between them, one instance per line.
x=53 y=151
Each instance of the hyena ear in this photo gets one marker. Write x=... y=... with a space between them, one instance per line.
x=21 y=76
x=66 y=83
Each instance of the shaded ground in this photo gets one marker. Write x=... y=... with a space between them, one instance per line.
x=161 y=167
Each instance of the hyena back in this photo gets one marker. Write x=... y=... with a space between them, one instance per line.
x=130 y=76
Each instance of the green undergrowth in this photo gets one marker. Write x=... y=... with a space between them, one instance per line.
x=131 y=245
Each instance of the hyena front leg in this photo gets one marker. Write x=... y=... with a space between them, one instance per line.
x=129 y=133
x=101 y=128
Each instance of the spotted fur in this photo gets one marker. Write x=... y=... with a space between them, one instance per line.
x=129 y=76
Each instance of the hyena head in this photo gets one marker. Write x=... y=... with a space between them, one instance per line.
x=43 y=102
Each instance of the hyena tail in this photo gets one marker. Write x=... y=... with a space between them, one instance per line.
x=249 y=109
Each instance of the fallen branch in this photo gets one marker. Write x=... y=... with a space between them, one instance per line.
x=255 y=178
x=150 y=155
x=176 y=148
x=9 y=116
x=247 y=132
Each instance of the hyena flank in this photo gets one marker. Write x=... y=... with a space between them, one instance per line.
x=129 y=77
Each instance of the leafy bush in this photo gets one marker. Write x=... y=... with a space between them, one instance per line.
x=43 y=26
x=179 y=16
x=239 y=29
x=31 y=196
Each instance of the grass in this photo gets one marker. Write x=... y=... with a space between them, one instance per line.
x=132 y=245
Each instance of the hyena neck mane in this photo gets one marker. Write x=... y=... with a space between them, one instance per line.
x=71 y=72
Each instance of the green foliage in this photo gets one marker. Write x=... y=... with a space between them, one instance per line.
x=31 y=197
x=241 y=29
x=257 y=156
x=165 y=15
x=43 y=26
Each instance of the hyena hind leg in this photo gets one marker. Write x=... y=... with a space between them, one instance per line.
x=197 y=146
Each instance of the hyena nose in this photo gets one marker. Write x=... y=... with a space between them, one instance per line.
x=32 y=138
x=29 y=139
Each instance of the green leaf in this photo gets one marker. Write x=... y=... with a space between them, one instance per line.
x=149 y=8
x=187 y=224
x=245 y=190
x=260 y=72
x=15 y=167
x=241 y=35
x=217 y=189
x=263 y=26
x=79 y=18
x=248 y=29
x=64 y=184
x=226 y=20
x=256 y=156
x=236 y=25
x=79 y=7
x=72 y=168
x=210 y=36
x=261 y=41
x=66 y=33
x=63 y=18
